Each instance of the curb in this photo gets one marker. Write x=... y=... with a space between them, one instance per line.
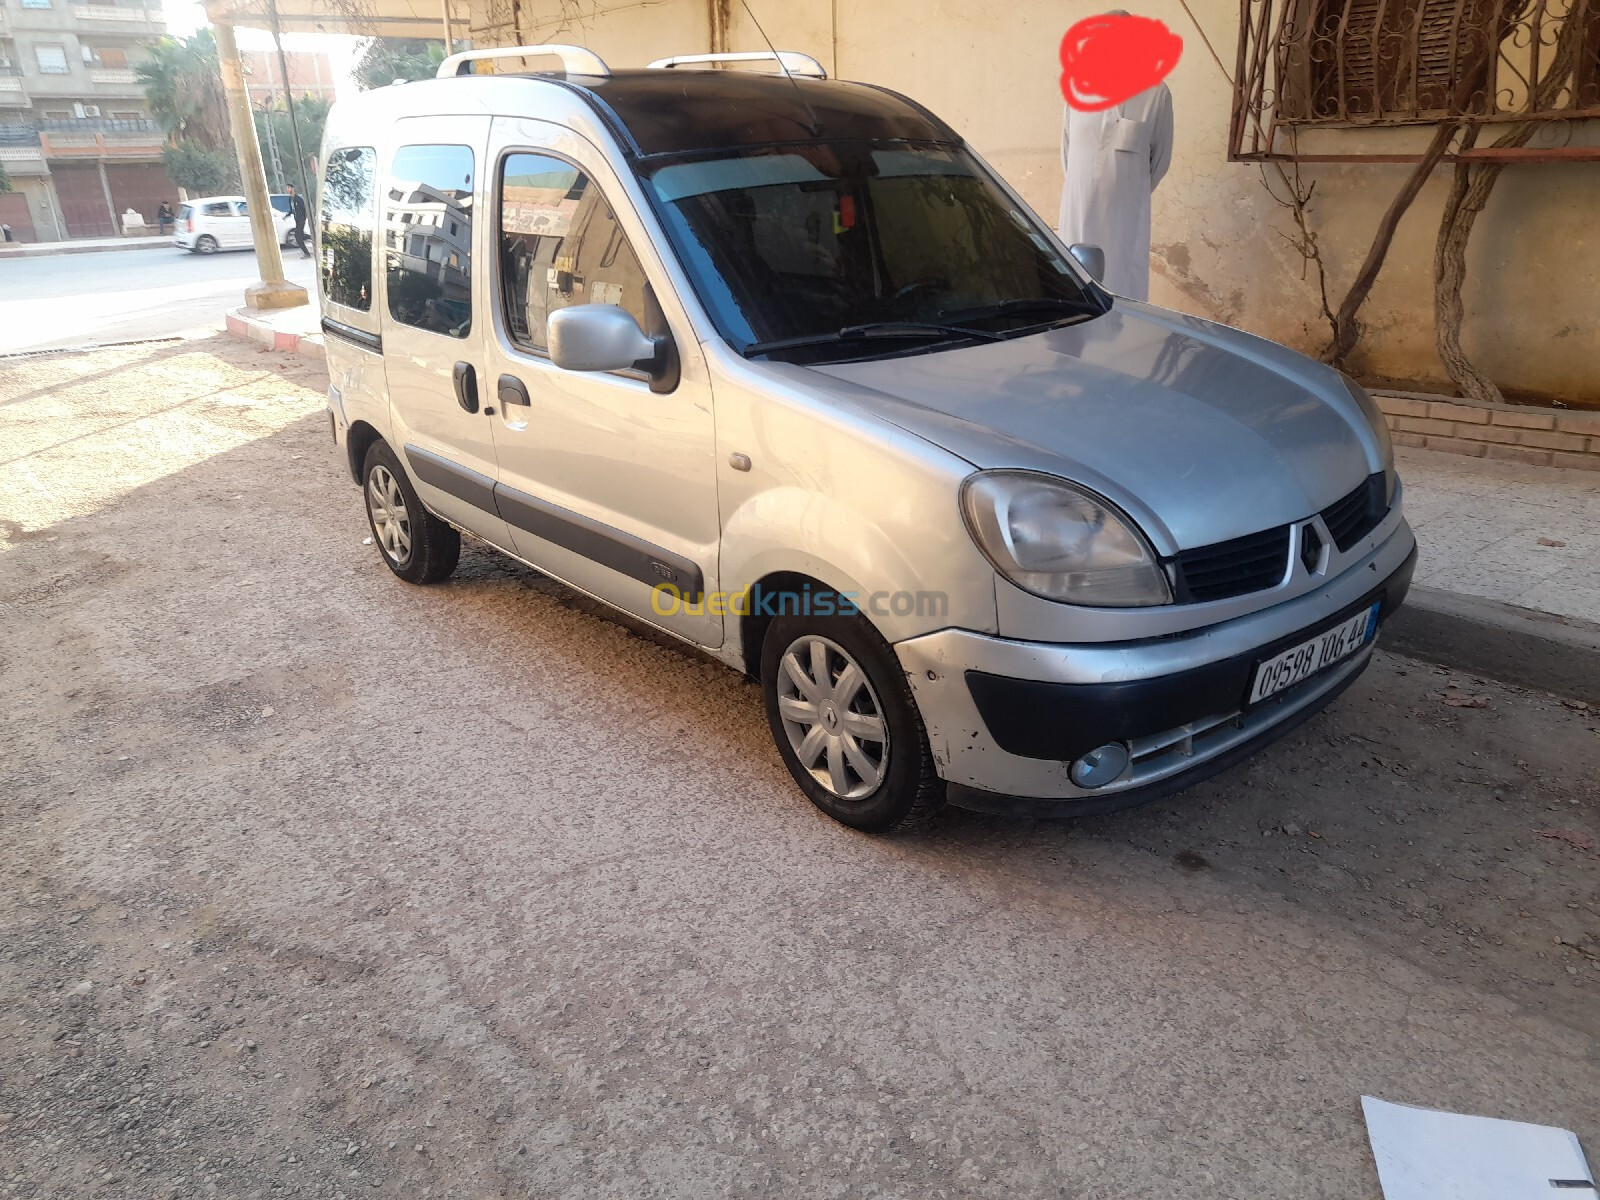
x=242 y=323
x=34 y=250
x=1511 y=644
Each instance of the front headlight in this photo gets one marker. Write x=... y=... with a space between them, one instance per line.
x=1380 y=428
x=1060 y=541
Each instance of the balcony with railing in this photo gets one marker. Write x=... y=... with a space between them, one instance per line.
x=19 y=149
x=57 y=125
x=123 y=76
x=122 y=13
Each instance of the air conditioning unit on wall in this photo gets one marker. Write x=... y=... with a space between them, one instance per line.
x=82 y=111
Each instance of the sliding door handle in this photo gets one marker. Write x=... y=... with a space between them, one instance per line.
x=465 y=377
x=513 y=391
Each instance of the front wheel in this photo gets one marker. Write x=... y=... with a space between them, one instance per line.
x=415 y=544
x=846 y=724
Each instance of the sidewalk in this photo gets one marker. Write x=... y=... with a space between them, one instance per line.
x=83 y=246
x=1523 y=535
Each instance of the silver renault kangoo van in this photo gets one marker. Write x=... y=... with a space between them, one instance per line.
x=778 y=365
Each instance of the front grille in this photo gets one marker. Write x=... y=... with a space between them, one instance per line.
x=1352 y=517
x=1247 y=564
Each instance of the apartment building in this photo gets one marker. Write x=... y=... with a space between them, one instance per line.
x=310 y=74
x=75 y=135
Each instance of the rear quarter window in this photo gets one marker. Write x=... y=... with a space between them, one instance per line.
x=348 y=216
x=427 y=238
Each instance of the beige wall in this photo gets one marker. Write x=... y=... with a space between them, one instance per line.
x=1532 y=313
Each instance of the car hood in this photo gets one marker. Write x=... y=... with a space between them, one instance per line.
x=1200 y=432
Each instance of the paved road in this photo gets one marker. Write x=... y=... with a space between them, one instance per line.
x=316 y=884
x=73 y=299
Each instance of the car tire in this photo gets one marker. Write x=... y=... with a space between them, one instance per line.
x=855 y=744
x=413 y=543
x=206 y=244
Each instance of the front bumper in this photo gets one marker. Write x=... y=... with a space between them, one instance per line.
x=1006 y=719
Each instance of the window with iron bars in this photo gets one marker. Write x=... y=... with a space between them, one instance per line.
x=1387 y=60
x=1362 y=63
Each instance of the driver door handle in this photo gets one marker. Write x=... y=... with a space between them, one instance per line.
x=465 y=377
x=513 y=391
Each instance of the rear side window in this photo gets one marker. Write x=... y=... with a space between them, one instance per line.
x=186 y=211
x=281 y=203
x=427 y=238
x=348 y=217
x=219 y=208
x=560 y=244
x=243 y=207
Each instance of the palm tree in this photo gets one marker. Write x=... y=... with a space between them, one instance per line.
x=183 y=87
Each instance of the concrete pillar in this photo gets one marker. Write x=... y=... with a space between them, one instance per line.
x=273 y=291
x=105 y=190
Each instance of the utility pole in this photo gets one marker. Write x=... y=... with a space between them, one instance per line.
x=288 y=100
x=272 y=137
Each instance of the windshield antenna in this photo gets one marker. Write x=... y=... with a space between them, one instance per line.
x=816 y=125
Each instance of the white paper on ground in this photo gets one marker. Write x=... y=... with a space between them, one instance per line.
x=1423 y=1154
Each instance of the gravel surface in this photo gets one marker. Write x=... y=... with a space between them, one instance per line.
x=316 y=884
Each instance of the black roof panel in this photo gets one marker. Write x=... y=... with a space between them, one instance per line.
x=676 y=111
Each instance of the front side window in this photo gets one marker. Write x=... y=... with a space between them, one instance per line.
x=429 y=265
x=844 y=246
x=560 y=244
x=348 y=217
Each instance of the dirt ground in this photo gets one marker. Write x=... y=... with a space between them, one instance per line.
x=316 y=884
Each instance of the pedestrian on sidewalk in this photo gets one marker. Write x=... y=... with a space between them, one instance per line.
x=165 y=216
x=297 y=209
x=1113 y=159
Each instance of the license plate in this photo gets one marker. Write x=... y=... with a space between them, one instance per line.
x=1302 y=661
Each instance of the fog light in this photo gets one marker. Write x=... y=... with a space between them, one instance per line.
x=1100 y=767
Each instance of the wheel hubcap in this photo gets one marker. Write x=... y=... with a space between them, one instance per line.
x=391 y=520
x=832 y=717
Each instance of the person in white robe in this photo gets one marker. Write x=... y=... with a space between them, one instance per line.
x=1113 y=160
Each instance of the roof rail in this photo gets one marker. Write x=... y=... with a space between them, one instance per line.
x=792 y=61
x=575 y=60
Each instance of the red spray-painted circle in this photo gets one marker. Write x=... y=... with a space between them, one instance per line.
x=1109 y=58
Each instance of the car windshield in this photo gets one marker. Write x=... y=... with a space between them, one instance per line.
x=828 y=251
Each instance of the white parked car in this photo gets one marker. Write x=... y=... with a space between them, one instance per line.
x=212 y=223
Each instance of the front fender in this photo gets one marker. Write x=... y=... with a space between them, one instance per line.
x=906 y=577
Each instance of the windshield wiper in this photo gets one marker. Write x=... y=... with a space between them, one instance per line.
x=1082 y=309
x=873 y=329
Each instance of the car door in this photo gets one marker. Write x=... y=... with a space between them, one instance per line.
x=605 y=483
x=216 y=219
x=433 y=333
x=239 y=234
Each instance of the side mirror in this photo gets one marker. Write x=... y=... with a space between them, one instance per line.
x=1091 y=258
x=603 y=337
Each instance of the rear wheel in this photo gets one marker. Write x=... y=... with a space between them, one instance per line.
x=205 y=244
x=846 y=724
x=415 y=544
